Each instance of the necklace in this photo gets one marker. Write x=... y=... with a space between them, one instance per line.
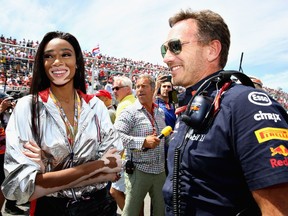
x=70 y=130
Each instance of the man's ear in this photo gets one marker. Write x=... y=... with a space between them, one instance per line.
x=214 y=49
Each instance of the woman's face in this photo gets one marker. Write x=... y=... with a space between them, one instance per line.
x=59 y=61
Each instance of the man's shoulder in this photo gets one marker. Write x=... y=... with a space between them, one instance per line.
x=240 y=94
x=244 y=99
x=159 y=100
x=128 y=100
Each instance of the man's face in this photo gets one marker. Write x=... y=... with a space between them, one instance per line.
x=120 y=91
x=144 y=91
x=187 y=67
x=166 y=87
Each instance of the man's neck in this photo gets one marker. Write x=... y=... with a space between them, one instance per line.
x=149 y=107
x=164 y=98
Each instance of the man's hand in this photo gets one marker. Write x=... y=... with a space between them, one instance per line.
x=5 y=104
x=151 y=142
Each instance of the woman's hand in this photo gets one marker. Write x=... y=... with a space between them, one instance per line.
x=112 y=161
x=99 y=178
x=33 y=151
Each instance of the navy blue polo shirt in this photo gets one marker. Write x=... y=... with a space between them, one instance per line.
x=170 y=117
x=244 y=149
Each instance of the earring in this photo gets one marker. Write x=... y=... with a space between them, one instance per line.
x=76 y=67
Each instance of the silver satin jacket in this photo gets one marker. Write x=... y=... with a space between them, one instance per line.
x=95 y=135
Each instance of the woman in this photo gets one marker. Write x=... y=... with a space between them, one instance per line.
x=61 y=144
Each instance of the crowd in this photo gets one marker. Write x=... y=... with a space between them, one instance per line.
x=17 y=59
x=279 y=95
x=66 y=154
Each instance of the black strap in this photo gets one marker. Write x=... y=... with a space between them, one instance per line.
x=244 y=79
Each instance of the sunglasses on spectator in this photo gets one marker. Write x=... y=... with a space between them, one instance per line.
x=174 y=45
x=117 y=88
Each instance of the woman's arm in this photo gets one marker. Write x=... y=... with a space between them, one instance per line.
x=83 y=174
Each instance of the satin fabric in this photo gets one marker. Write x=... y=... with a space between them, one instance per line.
x=95 y=135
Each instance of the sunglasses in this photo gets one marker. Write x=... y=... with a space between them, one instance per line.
x=174 y=45
x=117 y=88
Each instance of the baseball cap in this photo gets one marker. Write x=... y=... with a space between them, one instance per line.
x=5 y=96
x=104 y=93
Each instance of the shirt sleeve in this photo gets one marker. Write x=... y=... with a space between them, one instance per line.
x=128 y=127
x=20 y=172
x=260 y=135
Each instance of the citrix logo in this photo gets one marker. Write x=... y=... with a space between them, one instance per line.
x=267 y=116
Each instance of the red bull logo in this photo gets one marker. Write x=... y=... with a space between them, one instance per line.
x=269 y=133
x=280 y=150
x=279 y=163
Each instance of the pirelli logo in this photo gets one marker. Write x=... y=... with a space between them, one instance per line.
x=269 y=133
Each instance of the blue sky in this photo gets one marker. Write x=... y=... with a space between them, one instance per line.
x=136 y=28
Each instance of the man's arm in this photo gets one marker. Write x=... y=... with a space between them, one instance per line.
x=272 y=200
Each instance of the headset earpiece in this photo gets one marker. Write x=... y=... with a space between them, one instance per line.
x=200 y=112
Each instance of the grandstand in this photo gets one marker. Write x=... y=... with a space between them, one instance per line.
x=17 y=62
x=17 y=59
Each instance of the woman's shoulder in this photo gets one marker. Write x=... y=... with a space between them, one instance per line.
x=24 y=101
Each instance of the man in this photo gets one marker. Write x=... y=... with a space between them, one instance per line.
x=164 y=90
x=139 y=125
x=238 y=157
x=163 y=99
x=122 y=88
x=106 y=97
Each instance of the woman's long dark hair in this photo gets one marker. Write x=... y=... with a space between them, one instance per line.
x=40 y=80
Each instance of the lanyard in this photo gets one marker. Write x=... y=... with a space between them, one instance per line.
x=70 y=130
x=151 y=118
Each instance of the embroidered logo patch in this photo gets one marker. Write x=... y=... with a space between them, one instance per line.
x=269 y=133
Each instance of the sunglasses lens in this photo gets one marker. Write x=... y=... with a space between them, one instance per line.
x=163 y=50
x=115 y=88
x=175 y=46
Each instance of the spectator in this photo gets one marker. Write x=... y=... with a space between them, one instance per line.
x=106 y=97
x=122 y=88
x=59 y=140
x=163 y=90
x=110 y=65
x=232 y=158
x=6 y=106
x=139 y=125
